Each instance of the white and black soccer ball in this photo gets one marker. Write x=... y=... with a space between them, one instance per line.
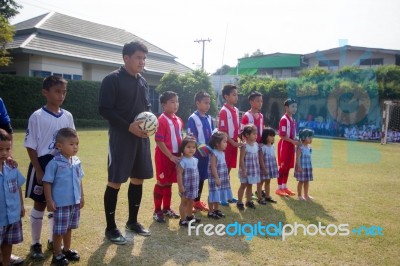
x=150 y=123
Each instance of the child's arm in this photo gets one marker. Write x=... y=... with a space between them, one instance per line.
x=180 y=179
x=214 y=172
x=241 y=161
x=51 y=207
x=82 y=204
x=262 y=163
x=35 y=162
x=298 y=160
x=166 y=152
x=22 y=202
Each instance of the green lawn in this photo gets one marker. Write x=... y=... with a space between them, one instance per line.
x=355 y=183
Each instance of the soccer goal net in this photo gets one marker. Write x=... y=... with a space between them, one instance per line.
x=391 y=122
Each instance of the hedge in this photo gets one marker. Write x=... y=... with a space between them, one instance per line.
x=22 y=96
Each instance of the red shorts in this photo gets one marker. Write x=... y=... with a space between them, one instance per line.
x=231 y=156
x=286 y=151
x=165 y=168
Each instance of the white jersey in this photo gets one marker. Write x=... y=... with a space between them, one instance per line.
x=42 y=129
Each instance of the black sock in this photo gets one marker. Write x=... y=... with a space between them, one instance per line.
x=201 y=184
x=110 y=204
x=134 y=199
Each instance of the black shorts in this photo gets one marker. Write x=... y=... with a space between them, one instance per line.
x=33 y=189
x=128 y=156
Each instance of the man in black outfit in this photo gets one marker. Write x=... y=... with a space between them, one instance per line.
x=124 y=94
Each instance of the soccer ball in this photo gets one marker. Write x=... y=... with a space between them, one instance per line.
x=150 y=124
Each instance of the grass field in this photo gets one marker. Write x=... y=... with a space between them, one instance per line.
x=355 y=183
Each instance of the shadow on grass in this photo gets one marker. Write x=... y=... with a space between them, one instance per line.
x=310 y=211
x=172 y=244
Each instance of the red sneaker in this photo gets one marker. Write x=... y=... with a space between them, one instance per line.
x=281 y=192
x=200 y=205
x=289 y=192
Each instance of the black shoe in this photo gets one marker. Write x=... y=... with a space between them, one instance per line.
x=240 y=206
x=36 y=252
x=59 y=260
x=213 y=215
x=250 y=205
x=262 y=202
x=115 y=236
x=138 y=229
x=183 y=223
x=219 y=213
x=270 y=200
x=190 y=218
x=71 y=255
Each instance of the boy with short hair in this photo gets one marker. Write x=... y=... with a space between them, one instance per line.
x=11 y=201
x=254 y=115
x=286 y=147
x=168 y=139
x=228 y=122
x=200 y=126
x=43 y=126
x=64 y=194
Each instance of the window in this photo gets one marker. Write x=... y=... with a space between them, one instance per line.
x=371 y=62
x=57 y=75
x=77 y=77
x=328 y=63
x=67 y=76
x=39 y=73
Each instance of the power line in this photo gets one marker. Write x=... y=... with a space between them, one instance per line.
x=202 y=57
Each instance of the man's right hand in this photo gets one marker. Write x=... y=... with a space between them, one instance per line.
x=136 y=130
x=39 y=177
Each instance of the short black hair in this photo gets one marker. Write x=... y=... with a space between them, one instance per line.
x=4 y=136
x=253 y=95
x=167 y=95
x=305 y=133
x=186 y=140
x=228 y=88
x=200 y=96
x=289 y=102
x=65 y=133
x=248 y=129
x=268 y=131
x=216 y=138
x=52 y=81
x=130 y=48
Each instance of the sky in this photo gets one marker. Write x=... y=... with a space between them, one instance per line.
x=236 y=28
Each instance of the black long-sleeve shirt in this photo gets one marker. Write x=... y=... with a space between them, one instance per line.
x=122 y=97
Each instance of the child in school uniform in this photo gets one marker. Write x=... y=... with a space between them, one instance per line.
x=304 y=173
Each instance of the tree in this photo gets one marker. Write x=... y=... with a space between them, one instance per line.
x=186 y=86
x=222 y=70
x=257 y=53
x=8 y=9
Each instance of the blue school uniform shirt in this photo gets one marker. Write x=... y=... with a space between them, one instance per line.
x=65 y=177
x=11 y=180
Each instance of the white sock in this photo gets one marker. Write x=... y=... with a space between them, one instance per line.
x=279 y=186
x=51 y=226
x=284 y=186
x=36 y=220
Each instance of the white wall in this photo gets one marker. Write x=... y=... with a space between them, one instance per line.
x=54 y=65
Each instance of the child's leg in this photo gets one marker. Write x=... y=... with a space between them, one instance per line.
x=167 y=195
x=211 y=206
x=299 y=190
x=241 y=192
x=183 y=207
x=249 y=192
x=36 y=220
x=6 y=250
x=267 y=187
x=57 y=239
x=67 y=240
x=306 y=186
x=50 y=216
x=215 y=206
x=259 y=189
x=158 y=197
x=189 y=207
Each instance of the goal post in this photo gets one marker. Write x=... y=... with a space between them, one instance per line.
x=390 y=122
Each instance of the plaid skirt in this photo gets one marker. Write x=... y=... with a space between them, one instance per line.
x=191 y=181
x=11 y=234
x=272 y=167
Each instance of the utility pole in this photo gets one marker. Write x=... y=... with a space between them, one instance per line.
x=202 y=58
